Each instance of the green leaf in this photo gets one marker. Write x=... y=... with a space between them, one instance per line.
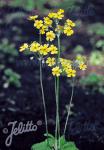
x=41 y=146
x=64 y=145
x=69 y=146
x=62 y=140
x=13 y=78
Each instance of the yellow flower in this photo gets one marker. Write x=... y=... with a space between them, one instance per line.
x=65 y=61
x=43 y=29
x=38 y=24
x=66 y=64
x=82 y=66
x=23 y=47
x=71 y=73
x=50 y=61
x=47 y=21
x=68 y=31
x=33 y=17
x=50 y=36
x=44 y=49
x=61 y=11
x=70 y=23
x=60 y=14
x=34 y=47
x=51 y=15
x=80 y=58
x=56 y=71
x=53 y=49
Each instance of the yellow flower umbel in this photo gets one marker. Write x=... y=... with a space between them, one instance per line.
x=50 y=36
x=23 y=47
x=38 y=24
x=35 y=47
x=82 y=66
x=56 y=71
x=53 y=49
x=32 y=18
x=71 y=73
x=50 y=61
x=44 y=49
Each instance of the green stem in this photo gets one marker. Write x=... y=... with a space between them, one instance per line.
x=58 y=118
x=56 y=136
x=57 y=82
x=44 y=105
x=43 y=97
x=69 y=107
x=40 y=38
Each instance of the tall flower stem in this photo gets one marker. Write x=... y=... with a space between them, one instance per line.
x=42 y=92
x=56 y=134
x=69 y=107
x=57 y=131
x=43 y=98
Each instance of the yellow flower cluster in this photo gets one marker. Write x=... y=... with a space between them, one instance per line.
x=81 y=60
x=50 y=26
x=67 y=67
x=42 y=25
x=68 y=27
x=45 y=26
x=43 y=50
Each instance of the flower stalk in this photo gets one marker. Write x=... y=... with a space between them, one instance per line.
x=57 y=83
x=43 y=98
x=69 y=108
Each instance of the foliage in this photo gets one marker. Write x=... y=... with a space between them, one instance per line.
x=78 y=49
x=8 y=54
x=65 y=4
x=12 y=78
x=27 y=4
x=65 y=145
x=96 y=58
x=7 y=48
x=96 y=28
x=95 y=81
x=100 y=44
x=39 y=4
